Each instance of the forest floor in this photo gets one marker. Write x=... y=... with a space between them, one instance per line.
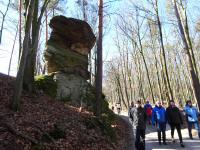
x=44 y=123
x=152 y=143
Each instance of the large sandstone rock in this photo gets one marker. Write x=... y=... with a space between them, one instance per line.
x=67 y=56
x=58 y=59
x=72 y=33
x=70 y=87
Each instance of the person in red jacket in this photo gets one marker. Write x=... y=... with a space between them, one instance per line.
x=148 y=108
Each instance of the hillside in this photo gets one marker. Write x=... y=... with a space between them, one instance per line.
x=44 y=123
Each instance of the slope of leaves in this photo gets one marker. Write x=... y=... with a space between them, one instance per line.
x=51 y=124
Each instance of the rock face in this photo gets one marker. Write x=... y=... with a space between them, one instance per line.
x=67 y=55
x=72 y=34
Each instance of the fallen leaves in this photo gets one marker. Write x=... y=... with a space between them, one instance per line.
x=40 y=114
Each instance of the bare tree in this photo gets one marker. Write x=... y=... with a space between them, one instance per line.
x=99 y=62
x=33 y=45
x=20 y=74
x=193 y=73
x=11 y=55
x=3 y=19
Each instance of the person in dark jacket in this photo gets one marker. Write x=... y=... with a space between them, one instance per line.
x=192 y=115
x=159 y=121
x=175 y=120
x=139 y=124
x=129 y=112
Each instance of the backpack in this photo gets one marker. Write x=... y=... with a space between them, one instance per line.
x=149 y=111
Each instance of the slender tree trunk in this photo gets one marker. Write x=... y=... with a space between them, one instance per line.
x=181 y=85
x=138 y=69
x=130 y=82
x=125 y=86
x=163 y=52
x=99 y=62
x=143 y=58
x=158 y=78
x=84 y=10
x=20 y=74
x=124 y=75
x=46 y=25
x=3 y=19
x=20 y=30
x=141 y=89
x=33 y=47
x=156 y=61
x=12 y=50
x=120 y=90
x=186 y=29
x=194 y=77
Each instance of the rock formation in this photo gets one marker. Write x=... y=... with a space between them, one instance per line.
x=67 y=55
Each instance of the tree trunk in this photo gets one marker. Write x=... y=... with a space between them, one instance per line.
x=84 y=10
x=190 y=43
x=30 y=65
x=99 y=62
x=156 y=61
x=20 y=74
x=3 y=20
x=20 y=30
x=46 y=25
x=120 y=90
x=12 y=50
x=163 y=52
x=143 y=58
x=193 y=75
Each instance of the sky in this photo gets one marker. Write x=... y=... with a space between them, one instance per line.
x=109 y=50
x=9 y=34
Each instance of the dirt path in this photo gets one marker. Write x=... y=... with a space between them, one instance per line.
x=152 y=143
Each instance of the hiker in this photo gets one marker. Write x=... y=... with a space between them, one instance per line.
x=175 y=121
x=118 y=106
x=129 y=112
x=139 y=125
x=148 y=109
x=159 y=121
x=192 y=118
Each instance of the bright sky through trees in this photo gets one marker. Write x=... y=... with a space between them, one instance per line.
x=112 y=9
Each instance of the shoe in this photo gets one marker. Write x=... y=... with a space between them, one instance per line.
x=182 y=145
x=164 y=143
x=191 y=138
x=159 y=143
x=173 y=140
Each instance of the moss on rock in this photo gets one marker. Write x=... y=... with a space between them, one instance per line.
x=47 y=84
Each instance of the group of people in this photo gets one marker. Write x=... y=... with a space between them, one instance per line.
x=159 y=116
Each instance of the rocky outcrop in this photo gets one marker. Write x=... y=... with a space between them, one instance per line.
x=72 y=34
x=67 y=55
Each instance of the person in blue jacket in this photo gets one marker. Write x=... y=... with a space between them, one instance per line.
x=159 y=120
x=192 y=115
